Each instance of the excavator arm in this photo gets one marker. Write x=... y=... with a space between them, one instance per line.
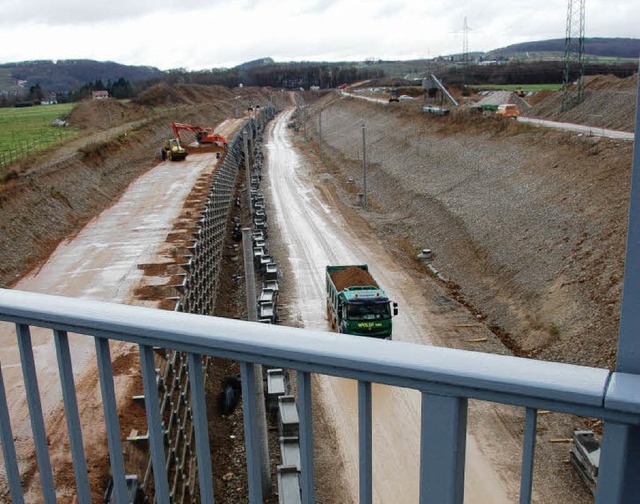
x=203 y=135
x=176 y=127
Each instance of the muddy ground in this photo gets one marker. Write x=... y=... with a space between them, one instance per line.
x=528 y=226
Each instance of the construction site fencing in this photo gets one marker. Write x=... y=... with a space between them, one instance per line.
x=22 y=149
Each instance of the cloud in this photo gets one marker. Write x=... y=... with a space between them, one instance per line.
x=170 y=34
x=317 y=7
x=79 y=12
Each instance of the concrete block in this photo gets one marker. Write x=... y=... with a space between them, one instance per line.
x=290 y=451
x=289 y=485
x=289 y=422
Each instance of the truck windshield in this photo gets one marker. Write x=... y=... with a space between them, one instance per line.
x=370 y=311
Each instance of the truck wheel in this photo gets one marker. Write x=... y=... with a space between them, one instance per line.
x=163 y=155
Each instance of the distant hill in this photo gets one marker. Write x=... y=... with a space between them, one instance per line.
x=593 y=47
x=69 y=75
x=255 y=64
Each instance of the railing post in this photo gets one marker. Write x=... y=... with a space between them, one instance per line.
x=203 y=450
x=9 y=448
x=156 y=440
x=618 y=480
x=365 y=442
x=528 y=455
x=36 y=416
x=110 y=408
x=73 y=417
x=306 y=438
x=442 y=449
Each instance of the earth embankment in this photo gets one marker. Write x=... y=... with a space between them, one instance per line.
x=527 y=225
x=46 y=198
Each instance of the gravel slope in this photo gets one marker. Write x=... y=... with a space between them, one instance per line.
x=528 y=225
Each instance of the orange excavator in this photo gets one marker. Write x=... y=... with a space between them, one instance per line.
x=203 y=135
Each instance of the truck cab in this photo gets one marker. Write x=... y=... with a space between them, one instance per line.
x=366 y=312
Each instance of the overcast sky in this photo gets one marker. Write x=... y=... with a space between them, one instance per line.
x=223 y=33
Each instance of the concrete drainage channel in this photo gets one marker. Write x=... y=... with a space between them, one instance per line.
x=280 y=403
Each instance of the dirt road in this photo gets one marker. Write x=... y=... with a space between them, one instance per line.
x=316 y=233
x=579 y=128
x=102 y=262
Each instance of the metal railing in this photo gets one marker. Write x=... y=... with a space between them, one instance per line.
x=446 y=378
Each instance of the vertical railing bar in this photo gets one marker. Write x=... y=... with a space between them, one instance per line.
x=154 y=423
x=198 y=403
x=8 y=448
x=442 y=449
x=365 y=441
x=528 y=455
x=307 y=471
x=74 y=427
x=252 y=448
x=110 y=407
x=35 y=412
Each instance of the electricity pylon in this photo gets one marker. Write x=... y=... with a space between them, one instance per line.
x=573 y=56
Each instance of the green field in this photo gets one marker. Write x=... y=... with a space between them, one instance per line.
x=516 y=87
x=25 y=130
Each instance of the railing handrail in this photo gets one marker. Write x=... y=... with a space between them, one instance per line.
x=562 y=387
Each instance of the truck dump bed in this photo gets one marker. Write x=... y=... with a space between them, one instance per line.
x=351 y=276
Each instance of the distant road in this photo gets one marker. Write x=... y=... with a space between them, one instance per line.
x=587 y=130
x=578 y=128
x=361 y=97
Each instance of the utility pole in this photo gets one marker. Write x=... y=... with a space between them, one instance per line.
x=320 y=130
x=364 y=164
x=304 y=108
x=252 y=315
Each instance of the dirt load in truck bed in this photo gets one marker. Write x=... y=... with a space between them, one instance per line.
x=352 y=276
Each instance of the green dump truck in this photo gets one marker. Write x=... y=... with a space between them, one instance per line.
x=356 y=304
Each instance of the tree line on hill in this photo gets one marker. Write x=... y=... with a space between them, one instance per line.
x=541 y=72
x=593 y=46
x=279 y=75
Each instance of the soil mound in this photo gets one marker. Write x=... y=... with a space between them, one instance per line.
x=609 y=102
x=102 y=114
x=609 y=82
x=352 y=276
